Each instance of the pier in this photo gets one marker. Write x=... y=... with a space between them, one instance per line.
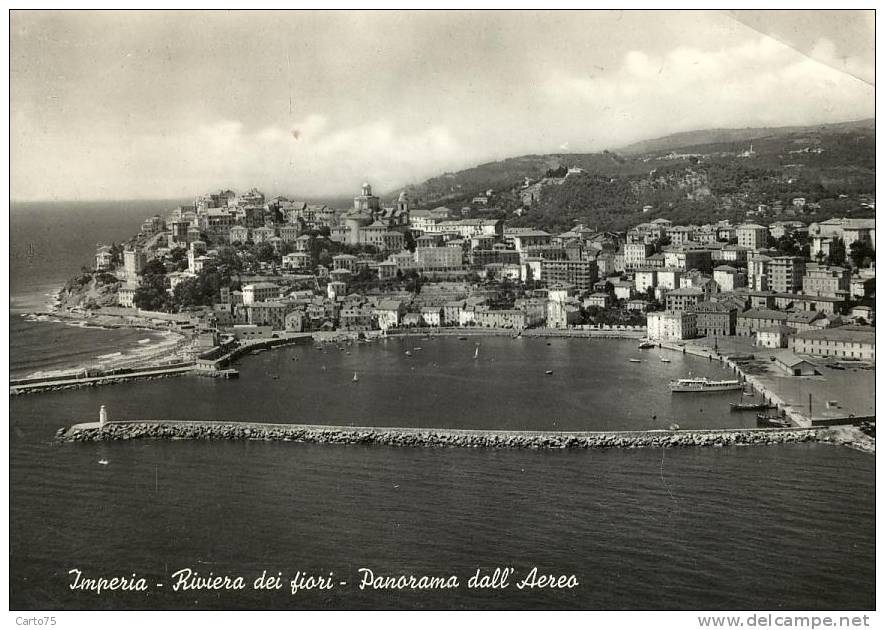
x=770 y=388
x=26 y=386
x=216 y=367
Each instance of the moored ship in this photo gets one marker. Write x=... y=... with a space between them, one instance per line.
x=703 y=384
x=750 y=406
x=769 y=421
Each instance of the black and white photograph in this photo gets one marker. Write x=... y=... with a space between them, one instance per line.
x=442 y=310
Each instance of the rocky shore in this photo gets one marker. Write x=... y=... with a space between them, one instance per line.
x=314 y=434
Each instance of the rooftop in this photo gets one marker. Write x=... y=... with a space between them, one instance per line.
x=849 y=334
x=261 y=285
x=687 y=291
x=779 y=328
x=389 y=305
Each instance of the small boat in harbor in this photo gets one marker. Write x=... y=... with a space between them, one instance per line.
x=355 y=378
x=749 y=406
x=703 y=385
x=645 y=344
x=103 y=462
x=408 y=353
x=635 y=360
x=664 y=360
x=462 y=338
x=771 y=422
x=476 y=352
x=417 y=348
x=548 y=372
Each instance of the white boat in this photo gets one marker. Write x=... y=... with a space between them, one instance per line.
x=664 y=360
x=103 y=462
x=476 y=352
x=703 y=384
x=635 y=360
x=408 y=353
x=355 y=377
x=645 y=344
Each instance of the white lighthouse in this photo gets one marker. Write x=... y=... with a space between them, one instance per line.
x=102 y=416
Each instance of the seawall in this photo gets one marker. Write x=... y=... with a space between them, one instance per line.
x=427 y=437
x=32 y=386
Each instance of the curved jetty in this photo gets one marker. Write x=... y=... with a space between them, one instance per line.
x=320 y=434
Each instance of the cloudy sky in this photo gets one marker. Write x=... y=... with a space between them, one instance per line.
x=163 y=105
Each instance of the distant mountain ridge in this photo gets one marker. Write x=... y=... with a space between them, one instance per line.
x=686 y=139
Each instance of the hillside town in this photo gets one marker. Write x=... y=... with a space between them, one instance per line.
x=245 y=267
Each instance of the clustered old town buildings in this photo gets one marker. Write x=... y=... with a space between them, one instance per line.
x=687 y=281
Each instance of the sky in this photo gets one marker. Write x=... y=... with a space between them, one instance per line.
x=131 y=105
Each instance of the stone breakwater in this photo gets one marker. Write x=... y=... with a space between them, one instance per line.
x=315 y=434
x=61 y=385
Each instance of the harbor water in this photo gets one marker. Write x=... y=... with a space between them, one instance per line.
x=785 y=527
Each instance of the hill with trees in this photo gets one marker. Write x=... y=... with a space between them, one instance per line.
x=831 y=168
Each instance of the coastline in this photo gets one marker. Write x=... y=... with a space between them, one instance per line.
x=464 y=438
x=178 y=348
x=174 y=346
x=172 y=353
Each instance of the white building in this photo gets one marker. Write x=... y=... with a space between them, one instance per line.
x=260 y=292
x=635 y=254
x=645 y=279
x=752 y=236
x=296 y=261
x=133 y=262
x=669 y=278
x=126 y=295
x=103 y=258
x=389 y=313
x=671 y=326
x=336 y=288
x=729 y=278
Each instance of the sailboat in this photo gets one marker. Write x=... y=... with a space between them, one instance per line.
x=476 y=352
x=355 y=377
